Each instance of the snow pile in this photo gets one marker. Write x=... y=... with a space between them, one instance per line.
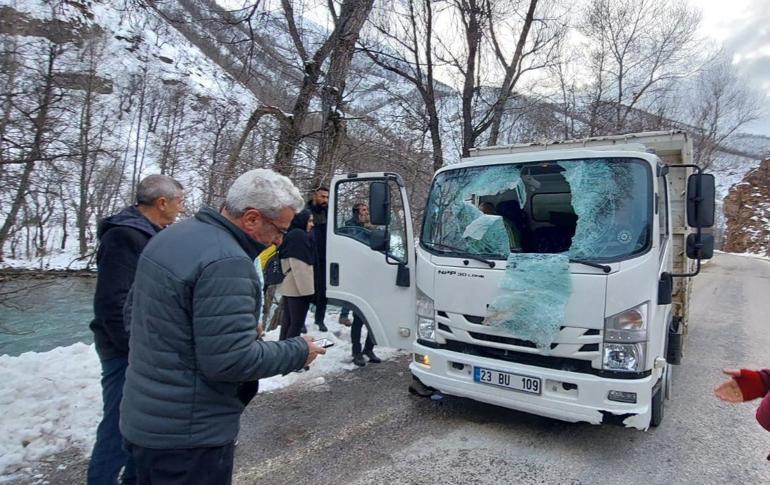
x=67 y=259
x=51 y=401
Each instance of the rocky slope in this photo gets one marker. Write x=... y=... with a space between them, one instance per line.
x=747 y=210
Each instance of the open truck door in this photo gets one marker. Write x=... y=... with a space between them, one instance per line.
x=371 y=258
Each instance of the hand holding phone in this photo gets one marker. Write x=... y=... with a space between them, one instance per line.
x=324 y=343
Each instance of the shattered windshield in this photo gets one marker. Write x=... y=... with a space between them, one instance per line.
x=589 y=209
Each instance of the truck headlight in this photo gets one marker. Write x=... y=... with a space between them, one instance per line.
x=625 y=340
x=629 y=326
x=426 y=318
x=624 y=357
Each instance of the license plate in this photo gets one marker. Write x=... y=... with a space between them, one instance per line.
x=516 y=382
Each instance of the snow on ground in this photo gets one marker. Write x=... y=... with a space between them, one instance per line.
x=67 y=259
x=51 y=401
x=745 y=255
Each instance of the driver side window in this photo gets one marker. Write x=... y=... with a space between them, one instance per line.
x=351 y=218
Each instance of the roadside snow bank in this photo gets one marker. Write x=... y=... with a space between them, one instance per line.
x=48 y=402
x=51 y=401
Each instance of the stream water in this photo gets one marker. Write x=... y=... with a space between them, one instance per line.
x=42 y=314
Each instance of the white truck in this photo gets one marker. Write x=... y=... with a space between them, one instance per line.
x=548 y=278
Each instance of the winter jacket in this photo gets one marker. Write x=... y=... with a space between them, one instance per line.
x=122 y=237
x=755 y=384
x=195 y=305
x=319 y=229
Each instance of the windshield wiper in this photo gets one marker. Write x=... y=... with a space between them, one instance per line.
x=603 y=267
x=461 y=253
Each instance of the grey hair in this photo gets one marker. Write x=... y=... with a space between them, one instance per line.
x=153 y=187
x=264 y=190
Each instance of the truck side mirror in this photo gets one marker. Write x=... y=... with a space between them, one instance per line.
x=700 y=246
x=700 y=200
x=379 y=204
x=379 y=240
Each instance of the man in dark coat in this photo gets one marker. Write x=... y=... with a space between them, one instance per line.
x=194 y=313
x=319 y=206
x=122 y=237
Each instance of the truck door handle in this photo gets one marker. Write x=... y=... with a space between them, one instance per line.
x=334 y=274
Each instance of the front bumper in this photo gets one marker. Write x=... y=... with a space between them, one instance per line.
x=583 y=398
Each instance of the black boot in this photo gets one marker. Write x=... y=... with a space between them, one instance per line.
x=372 y=358
x=358 y=359
x=322 y=327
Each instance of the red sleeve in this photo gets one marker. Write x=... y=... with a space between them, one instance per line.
x=752 y=384
x=763 y=412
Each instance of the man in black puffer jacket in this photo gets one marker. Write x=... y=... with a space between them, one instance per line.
x=194 y=311
x=121 y=239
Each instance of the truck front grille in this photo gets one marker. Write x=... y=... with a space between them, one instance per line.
x=559 y=363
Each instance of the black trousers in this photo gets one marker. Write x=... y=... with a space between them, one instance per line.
x=294 y=313
x=355 y=335
x=195 y=466
x=320 y=290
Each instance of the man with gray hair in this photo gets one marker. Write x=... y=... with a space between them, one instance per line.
x=194 y=314
x=122 y=237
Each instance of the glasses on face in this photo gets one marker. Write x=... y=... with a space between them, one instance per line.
x=281 y=230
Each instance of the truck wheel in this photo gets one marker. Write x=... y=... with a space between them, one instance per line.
x=658 y=403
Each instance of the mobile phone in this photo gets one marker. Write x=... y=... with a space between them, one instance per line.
x=323 y=342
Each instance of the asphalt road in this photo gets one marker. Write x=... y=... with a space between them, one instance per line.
x=364 y=427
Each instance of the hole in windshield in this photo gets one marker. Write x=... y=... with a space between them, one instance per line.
x=591 y=209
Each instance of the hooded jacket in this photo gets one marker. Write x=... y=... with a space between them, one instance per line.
x=194 y=312
x=122 y=237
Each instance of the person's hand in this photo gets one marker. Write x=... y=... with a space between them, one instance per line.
x=260 y=330
x=729 y=390
x=313 y=350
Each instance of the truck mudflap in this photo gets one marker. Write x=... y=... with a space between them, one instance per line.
x=584 y=400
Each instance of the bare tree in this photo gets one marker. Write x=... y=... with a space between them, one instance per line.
x=88 y=144
x=47 y=96
x=722 y=103
x=333 y=123
x=404 y=46
x=347 y=25
x=488 y=27
x=537 y=47
x=638 y=48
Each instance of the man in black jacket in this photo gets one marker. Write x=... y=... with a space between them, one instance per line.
x=194 y=312
x=319 y=206
x=122 y=237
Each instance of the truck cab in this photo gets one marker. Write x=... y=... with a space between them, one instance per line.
x=550 y=279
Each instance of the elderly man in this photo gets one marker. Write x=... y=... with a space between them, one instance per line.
x=122 y=237
x=195 y=307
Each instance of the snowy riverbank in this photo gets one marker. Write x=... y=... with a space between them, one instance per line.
x=51 y=401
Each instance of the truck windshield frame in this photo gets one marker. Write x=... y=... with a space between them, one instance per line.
x=479 y=207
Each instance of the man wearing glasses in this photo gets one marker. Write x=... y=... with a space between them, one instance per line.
x=194 y=313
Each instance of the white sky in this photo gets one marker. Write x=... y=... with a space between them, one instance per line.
x=743 y=27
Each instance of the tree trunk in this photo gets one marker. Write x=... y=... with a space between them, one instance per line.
x=512 y=72
x=332 y=125
x=473 y=40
